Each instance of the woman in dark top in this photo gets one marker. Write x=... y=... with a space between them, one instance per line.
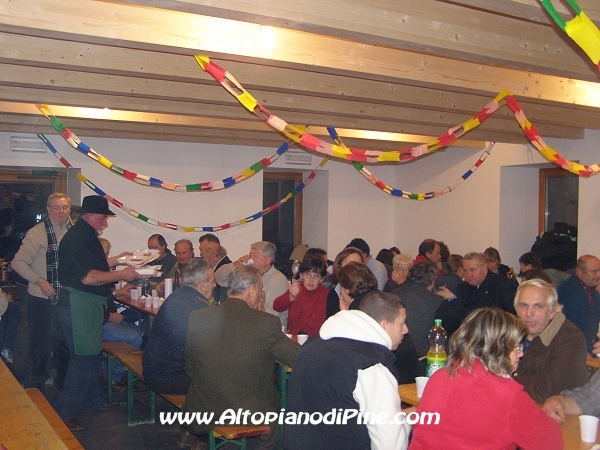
x=347 y=255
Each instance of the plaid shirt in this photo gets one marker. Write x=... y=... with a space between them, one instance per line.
x=587 y=396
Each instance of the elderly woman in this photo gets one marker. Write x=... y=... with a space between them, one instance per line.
x=479 y=404
x=344 y=257
x=305 y=300
x=401 y=264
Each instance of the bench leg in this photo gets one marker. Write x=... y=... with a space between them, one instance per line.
x=132 y=381
x=213 y=445
x=110 y=365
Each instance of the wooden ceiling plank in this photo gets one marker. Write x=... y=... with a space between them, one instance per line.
x=163 y=66
x=149 y=28
x=294 y=109
x=446 y=29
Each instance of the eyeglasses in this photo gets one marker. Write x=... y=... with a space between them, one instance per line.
x=60 y=208
x=311 y=276
x=519 y=348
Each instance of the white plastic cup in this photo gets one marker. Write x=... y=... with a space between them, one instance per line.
x=148 y=301
x=155 y=303
x=135 y=295
x=168 y=286
x=588 y=426
x=139 y=289
x=249 y=262
x=302 y=338
x=154 y=293
x=421 y=382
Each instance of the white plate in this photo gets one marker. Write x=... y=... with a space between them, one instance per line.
x=146 y=272
x=140 y=257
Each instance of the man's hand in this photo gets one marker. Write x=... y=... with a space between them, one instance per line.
x=128 y=274
x=444 y=292
x=555 y=408
x=115 y=317
x=242 y=260
x=47 y=288
x=558 y=407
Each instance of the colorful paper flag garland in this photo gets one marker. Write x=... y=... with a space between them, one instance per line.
x=186 y=229
x=313 y=143
x=404 y=193
x=580 y=28
x=145 y=180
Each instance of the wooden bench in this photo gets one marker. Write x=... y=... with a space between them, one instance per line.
x=235 y=435
x=133 y=363
x=53 y=419
x=222 y=435
x=110 y=349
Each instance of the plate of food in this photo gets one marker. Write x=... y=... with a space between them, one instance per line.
x=140 y=257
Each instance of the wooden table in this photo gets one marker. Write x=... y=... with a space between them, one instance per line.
x=594 y=363
x=22 y=424
x=570 y=429
x=408 y=394
x=138 y=305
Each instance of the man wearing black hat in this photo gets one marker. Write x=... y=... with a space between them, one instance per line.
x=85 y=277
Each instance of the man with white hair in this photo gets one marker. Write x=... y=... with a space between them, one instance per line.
x=230 y=355
x=262 y=256
x=554 y=349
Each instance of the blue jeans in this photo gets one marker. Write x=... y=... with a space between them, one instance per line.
x=81 y=390
x=126 y=332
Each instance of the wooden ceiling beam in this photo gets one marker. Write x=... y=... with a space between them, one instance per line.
x=149 y=28
x=442 y=28
x=106 y=61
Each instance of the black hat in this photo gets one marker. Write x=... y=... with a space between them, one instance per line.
x=94 y=204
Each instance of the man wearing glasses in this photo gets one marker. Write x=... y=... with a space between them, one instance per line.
x=554 y=349
x=37 y=262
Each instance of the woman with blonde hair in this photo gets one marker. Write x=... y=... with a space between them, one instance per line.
x=479 y=405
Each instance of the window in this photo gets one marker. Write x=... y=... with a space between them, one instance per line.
x=559 y=198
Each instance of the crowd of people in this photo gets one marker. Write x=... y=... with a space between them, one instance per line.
x=219 y=335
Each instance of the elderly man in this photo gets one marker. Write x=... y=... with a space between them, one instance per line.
x=86 y=281
x=482 y=287
x=554 y=349
x=163 y=357
x=377 y=267
x=230 y=355
x=262 y=256
x=350 y=366
x=580 y=300
x=37 y=262
x=166 y=259
x=216 y=255
x=184 y=253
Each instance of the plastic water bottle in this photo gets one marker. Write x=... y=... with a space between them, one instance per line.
x=436 y=356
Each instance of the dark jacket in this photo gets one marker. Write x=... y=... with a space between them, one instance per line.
x=554 y=361
x=494 y=291
x=230 y=356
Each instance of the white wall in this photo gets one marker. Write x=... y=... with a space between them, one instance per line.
x=497 y=205
x=339 y=204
